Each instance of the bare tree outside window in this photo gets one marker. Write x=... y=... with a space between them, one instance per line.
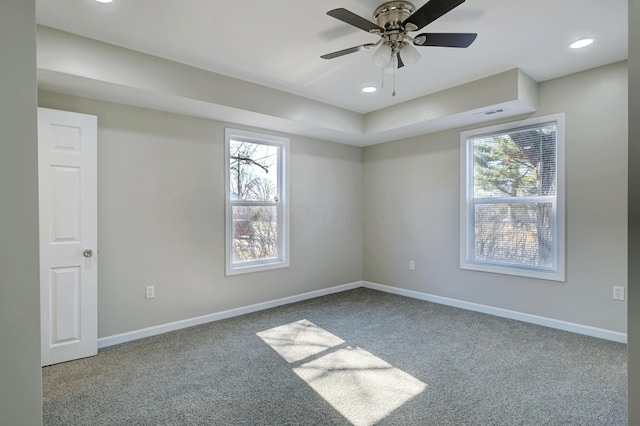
x=253 y=180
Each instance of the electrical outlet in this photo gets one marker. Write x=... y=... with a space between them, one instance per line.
x=150 y=292
x=412 y=265
x=618 y=292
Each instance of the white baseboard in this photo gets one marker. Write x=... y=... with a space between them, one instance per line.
x=177 y=325
x=499 y=312
x=504 y=313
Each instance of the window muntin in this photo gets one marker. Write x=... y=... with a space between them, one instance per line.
x=512 y=208
x=257 y=202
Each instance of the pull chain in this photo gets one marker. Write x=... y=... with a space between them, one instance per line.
x=395 y=67
x=394 y=82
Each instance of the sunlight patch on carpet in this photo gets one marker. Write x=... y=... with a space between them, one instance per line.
x=299 y=340
x=361 y=386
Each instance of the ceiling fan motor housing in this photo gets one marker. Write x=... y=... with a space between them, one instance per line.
x=390 y=15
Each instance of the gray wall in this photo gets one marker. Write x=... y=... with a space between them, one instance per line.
x=634 y=214
x=161 y=208
x=20 y=379
x=161 y=218
x=411 y=193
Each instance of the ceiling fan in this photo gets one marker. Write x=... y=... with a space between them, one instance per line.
x=394 y=21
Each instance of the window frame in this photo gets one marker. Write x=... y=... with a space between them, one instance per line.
x=283 y=240
x=468 y=203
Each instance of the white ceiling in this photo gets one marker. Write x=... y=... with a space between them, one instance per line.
x=278 y=43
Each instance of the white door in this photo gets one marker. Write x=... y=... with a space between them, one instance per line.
x=67 y=178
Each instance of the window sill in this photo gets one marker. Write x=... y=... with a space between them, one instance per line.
x=515 y=271
x=247 y=269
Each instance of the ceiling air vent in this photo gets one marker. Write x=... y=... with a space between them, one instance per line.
x=491 y=111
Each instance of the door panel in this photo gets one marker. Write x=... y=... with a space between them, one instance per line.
x=65 y=204
x=67 y=162
x=64 y=292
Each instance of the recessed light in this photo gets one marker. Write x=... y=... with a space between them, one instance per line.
x=369 y=89
x=579 y=44
x=104 y=1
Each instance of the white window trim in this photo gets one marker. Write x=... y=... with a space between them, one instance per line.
x=466 y=203
x=283 y=213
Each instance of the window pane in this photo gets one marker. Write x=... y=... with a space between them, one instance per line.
x=514 y=233
x=518 y=163
x=253 y=171
x=255 y=233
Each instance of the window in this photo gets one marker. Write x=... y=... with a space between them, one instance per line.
x=512 y=198
x=257 y=202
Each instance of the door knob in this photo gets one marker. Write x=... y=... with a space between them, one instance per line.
x=87 y=253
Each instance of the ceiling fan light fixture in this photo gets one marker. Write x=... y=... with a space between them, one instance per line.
x=382 y=57
x=409 y=54
x=393 y=65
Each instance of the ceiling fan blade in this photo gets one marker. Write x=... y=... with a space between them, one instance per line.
x=431 y=11
x=445 y=39
x=343 y=52
x=352 y=19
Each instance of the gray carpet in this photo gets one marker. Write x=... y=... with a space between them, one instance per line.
x=478 y=370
